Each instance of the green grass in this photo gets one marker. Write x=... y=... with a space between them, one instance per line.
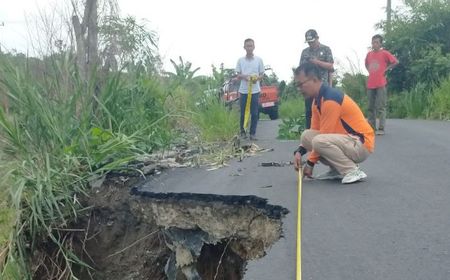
x=416 y=101
x=440 y=101
x=292 y=108
x=215 y=122
x=61 y=131
x=292 y=113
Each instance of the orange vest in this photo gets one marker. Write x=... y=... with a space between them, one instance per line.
x=334 y=112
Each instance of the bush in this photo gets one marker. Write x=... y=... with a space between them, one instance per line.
x=354 y=85
x=397 y=106
x=62 y=131
x=215 y=121
x=413 y=104
x=291 y=128
x=294 y=107
x=440 y=101
x=416 y=101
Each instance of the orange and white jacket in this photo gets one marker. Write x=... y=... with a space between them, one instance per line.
x=334 y=112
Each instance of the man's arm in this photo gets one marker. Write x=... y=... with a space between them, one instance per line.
x=303 y=57
x=392 y=61
x=315 y=125
x=239 y=75
x=261 y=70
x=322 y=64
x=329 y=117
x=327 y=62
x=366 y=62
x=242 y=77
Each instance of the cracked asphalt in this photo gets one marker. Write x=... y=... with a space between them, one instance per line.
x=395 y=225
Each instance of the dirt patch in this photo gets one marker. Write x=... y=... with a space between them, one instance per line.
x=177 y=236
x=212 y=236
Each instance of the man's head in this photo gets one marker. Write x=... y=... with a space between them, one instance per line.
x=307 y=79
x=249 y=46
x=312 y=38
x=377 y=42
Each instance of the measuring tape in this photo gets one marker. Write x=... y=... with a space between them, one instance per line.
x=249 y=100
x=299 y=226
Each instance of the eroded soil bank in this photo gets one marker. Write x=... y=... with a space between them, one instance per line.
x=129 y=233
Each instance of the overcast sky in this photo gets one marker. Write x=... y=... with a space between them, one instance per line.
x=209 y=32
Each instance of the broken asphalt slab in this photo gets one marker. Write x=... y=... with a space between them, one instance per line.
x=392 y=226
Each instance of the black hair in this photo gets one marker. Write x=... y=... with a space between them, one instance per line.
x=309 y=69
x=249 y=40
x=378 y=36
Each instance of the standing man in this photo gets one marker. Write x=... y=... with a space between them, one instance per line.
x=250 y=69
x=378 y=61
x=321 y=56
x=340 y=135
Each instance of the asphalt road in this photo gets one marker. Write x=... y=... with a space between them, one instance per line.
x=395 y=225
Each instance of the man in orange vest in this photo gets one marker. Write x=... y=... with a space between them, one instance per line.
x=340 y=135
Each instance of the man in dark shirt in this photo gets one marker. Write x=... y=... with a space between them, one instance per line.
x=321 y=56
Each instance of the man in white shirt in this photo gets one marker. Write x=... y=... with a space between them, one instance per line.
x=250 y=68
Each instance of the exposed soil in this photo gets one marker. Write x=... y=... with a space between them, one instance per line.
x=130 y=233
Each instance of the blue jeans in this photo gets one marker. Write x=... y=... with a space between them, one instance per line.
x=254 y=107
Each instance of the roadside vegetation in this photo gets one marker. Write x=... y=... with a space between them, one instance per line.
x=64 y=124
x=419 y=87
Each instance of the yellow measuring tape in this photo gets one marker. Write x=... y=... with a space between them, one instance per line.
x=249 y=100
x=299 y=226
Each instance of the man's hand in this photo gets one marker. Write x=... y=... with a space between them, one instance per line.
x=297 y=161
x=307 y=170
x=254 y=79
x=314 y=60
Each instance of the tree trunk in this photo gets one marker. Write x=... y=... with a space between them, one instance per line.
x=81 y=52
x=92 y=36
x=388 y=15
x=87 y=44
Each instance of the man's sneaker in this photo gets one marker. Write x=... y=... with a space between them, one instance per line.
x=380 y=132
x=354 y=176
x=243 y=135
x=331 y=174
x=253 y=138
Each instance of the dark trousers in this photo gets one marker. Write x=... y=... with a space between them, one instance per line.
x=254 y=114
x=308 y=112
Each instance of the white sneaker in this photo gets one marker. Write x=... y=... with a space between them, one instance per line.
x=331 y=174
x=354 y=176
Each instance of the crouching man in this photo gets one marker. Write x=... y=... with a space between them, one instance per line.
x=340 y=136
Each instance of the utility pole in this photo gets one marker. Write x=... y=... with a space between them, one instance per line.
x=1 y=24
x=388 y=15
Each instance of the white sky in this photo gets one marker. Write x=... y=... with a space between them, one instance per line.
x=210 y=32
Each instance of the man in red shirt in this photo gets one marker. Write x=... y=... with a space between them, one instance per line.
x=378 y=61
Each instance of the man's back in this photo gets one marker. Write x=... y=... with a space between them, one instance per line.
x=336 y=112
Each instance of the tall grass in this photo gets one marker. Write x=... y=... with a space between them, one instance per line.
x=61 y=132
x=215 y=122
x=293 y=107
x=354 y=85
x=440 y=101
x=397 y=106
x=422 y=101
x=417 y=100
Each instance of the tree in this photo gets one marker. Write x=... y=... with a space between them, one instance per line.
x=86 y=35
x=419 y=36
x=183 y=70
x=125 y=42
x=219 y=76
